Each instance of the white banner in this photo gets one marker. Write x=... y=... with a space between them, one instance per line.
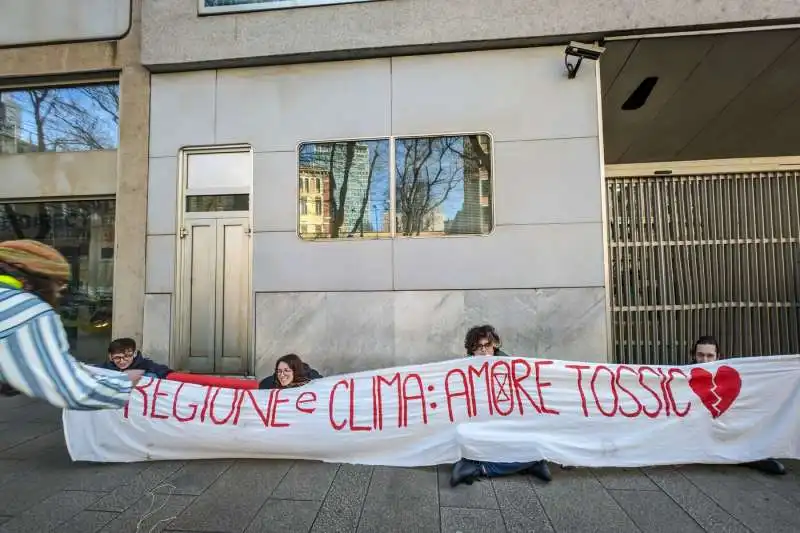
x=485 y=408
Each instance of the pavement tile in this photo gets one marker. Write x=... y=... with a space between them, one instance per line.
x=401 y=499
x=4 y=519
x=285 y=516
x=756 y=506
x=10 y=467
x=23 y=432
x=31 y=411
x=576 y=501
x=104 y=477
x=479 y=495
x=87 y=522
x=471 y=520
x=47 y=443
x=28 y=487
x=152 y=513
x=341 y=509
x=306 y=480
x=787 y=486
x=520 y=506
x=233 y=500
x=624 y=479
x=655 y=512
x=195 y=477
x=51 y=512
x=695 y=502
x=126 y=495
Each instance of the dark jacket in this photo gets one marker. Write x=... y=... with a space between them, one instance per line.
x=270 y=381
x=497 y=353
x=141 y=362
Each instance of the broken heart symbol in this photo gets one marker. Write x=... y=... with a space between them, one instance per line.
x=717 y=392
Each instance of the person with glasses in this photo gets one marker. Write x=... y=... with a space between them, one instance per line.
x=123 y=355
x=290 y=371
x=706 y=350
x=34 y=351
x=485 y=341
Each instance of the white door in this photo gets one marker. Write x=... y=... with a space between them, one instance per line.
x=214 y=309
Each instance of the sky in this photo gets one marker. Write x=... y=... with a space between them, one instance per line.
x=56 y=125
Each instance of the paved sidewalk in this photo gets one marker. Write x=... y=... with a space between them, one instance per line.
x=41 y=490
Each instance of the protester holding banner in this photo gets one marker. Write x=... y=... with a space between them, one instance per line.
x=290 y=371
x=123 y=355
x=485 y=341
x=34 y=352
x=706 y=350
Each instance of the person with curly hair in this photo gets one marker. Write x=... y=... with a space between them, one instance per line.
x=485 y=341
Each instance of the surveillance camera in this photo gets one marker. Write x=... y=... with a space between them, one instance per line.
x=585 y=51
x=581 y=51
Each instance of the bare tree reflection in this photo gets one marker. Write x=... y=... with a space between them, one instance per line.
x=62 y=118
x=425 y=177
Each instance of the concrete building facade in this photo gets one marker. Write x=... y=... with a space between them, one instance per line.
x=223 y=260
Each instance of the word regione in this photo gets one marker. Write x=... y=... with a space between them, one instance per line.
x=483 y=408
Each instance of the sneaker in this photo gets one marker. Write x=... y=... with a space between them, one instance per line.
x=464 y=471
x=541 y=470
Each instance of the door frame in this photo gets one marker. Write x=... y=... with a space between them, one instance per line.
x=179 y=297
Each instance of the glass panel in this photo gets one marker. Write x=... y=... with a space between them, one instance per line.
x=443 y=185
x=344 y=190
x=84 y=232
x=227 y=6
x=207 y=171
x=59 y=119
x=222 y=202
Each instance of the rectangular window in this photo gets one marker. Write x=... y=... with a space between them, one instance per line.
x=83 y=231
x=223 y=202
x=59 y=119
x=441 y=185
x=209 y=7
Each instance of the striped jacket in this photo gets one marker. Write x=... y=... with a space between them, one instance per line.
x=35 y=359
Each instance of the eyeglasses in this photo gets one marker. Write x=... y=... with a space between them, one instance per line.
x=122 y=357
x=484 y=346
x=284 y=371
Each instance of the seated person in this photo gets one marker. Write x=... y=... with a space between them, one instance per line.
x=484 y=340
x=290 y=371
x=706 y=350
x=123 y=355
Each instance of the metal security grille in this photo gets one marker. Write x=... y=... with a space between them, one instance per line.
x=704 y=254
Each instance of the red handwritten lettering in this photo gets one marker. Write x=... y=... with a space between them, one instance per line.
x=651 y=414
x=263 y=415
x=501 y=392
x=306 y=397
x=175 y=414
x=156 y=393
x=231 y=410
x=541 y=385
x=380 y=381
x=624 y=389
x=141 y=388
x=408 y=397
x=613 y=389
x=482 y=370
x=519 y=388
x=335 y=425
x=273 y=422
x=579 y=369
x=463 y=393
x=678 y=413
x=353 y=426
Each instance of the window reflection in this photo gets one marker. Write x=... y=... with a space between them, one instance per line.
x=84 y=232
x=59 y=119
x=442 y=185
x=344 y=190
